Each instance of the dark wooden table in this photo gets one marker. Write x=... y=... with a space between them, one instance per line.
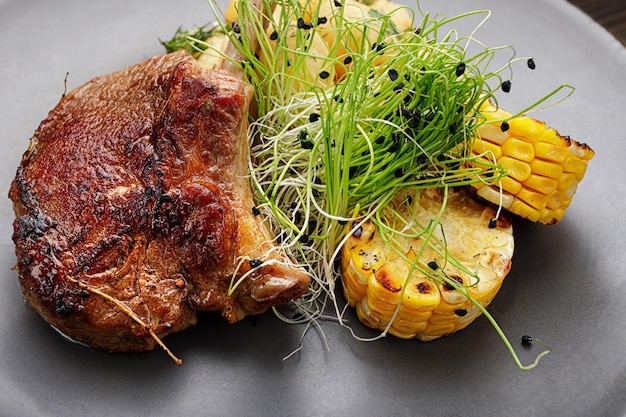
x=609 y=13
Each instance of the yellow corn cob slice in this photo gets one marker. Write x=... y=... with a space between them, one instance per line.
x=544 y=167
x=377 y=278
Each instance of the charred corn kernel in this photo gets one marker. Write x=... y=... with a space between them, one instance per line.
x=408 y=288
x=543 y=167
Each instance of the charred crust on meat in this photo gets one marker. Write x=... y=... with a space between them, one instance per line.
x=147 y=208
x=65 y=303
x=32 y=226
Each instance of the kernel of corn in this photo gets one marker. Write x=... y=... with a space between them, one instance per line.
x=550 y=152
x=492 y=133
x=436 y=329
x=510 y=185
x=546 y=169
x=414 y=315
x=542 y=184
x=353 y=289
x=411 y=325
x=494 y=196
x=519 y=170
x=558 y=214
x=532 y=198
x=525 y=210
x=366 y=257
x=518 y=149
x=566 y=181
x=556 y=200
x=471 y=313
x=569 y=193
x=526 y=127
x=576 y=166
x=421 y=295
x=493 y=151
x=451 y=297
x=552 y=137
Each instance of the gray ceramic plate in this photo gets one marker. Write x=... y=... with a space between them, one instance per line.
x=567 y=286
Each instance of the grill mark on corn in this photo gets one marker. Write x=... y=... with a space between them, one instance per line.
x=386 y=280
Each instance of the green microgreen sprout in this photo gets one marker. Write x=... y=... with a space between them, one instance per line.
x=348 y=113
x=192 y=40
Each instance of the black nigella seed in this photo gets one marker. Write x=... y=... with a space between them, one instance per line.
x=433 y=265
x=324 y=75
x=506 y=86
x=526 y=340
x=418 y=31
x=274 y=36
x=342 y=222
x=304 y=239
x=338 y=3
x=236 y=28
x=321 y=20
x=374 y=46
x=393 y=74
x=380 y=46
x=307 y=144
x=304 y=25
x=380 y=140
x=347 y=60
x=504 y=126
x=531 y=63
x=314 y=117
x=357 y=232
x=460 y=312
x=416 y=117
x=256 y=211
x=493 y=223
x=460 y=69
x=255 y=263
x=399 y=172
x=449 y=287
x=398 y=87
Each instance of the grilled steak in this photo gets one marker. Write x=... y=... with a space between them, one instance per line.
x=133 y=197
